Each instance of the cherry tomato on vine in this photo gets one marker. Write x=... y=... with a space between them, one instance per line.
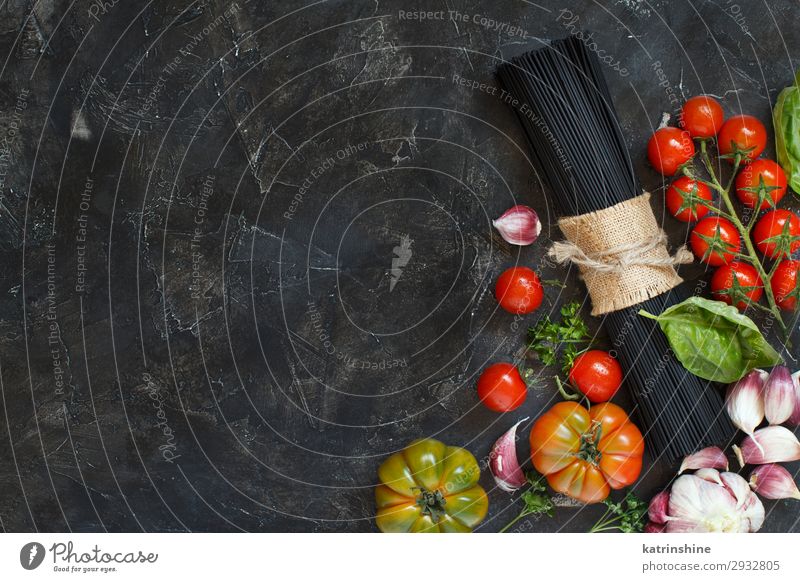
x=518 y=290
x=755 y=173
x=784 y=284
x=702 y=116
x=677 y=204
x=747 y=283
x=597 y=375
x=714 y=241
x=742 y=132
x=501 y=388
x=669 y=148
x=776 y=232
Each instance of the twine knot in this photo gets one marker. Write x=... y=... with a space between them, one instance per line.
x=620 y=257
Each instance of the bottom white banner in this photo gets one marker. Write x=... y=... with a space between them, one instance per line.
x=398 y=557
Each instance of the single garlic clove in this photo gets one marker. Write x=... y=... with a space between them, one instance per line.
x=744 y=401
x=772 y=444
x=503 y=461
x=657 y=510
x=519 y=225
x=794 y=419
x=773 y=482
x=779 y=395
x=710 y=475
x=708 y=458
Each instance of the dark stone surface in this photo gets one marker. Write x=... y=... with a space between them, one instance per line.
x=203 y=345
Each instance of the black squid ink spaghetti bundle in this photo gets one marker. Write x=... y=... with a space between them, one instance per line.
x=611 y=233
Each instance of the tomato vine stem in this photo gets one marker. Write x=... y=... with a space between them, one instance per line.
x=744 y=232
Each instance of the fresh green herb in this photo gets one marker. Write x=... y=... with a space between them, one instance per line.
x=786 y=119
x=713 y=340
x=627 y=516
x=537 y=502
x=570 y=335
x=555 y=283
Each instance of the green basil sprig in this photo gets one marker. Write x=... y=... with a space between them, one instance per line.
x=786 y=119
x=713 y=340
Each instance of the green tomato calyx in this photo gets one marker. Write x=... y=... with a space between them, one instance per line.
x=432 y=503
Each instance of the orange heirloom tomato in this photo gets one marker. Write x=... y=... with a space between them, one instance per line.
x=429 y=487
x=586 y=453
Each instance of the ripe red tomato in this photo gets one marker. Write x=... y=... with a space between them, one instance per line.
x=784 y=283
x=586 y=453
x=501 y=388
x=597 y=375
x=702 y=116
x=669 y=148
x=776 y=231
x=746 y=276
x=676 y=203
x=716 y=232
x=751 y=176
x=518 y=290
x=742 y=132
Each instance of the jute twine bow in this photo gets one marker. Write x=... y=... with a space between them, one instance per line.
x=622 y=254
x=620 y=257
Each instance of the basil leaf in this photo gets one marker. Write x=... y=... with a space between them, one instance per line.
x=713 y=340
x=786 y=120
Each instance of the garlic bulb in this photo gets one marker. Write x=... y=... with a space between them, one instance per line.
x=706 y=502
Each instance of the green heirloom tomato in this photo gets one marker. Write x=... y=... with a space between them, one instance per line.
x=429 y=487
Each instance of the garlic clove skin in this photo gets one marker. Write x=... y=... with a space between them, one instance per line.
x=519 y=225
x=744 y=401
x=653 y=527
x=773 y=482
x=773 y=444
x=708 y=458
x=794 y=419
x=779 y=395
x=503 y=461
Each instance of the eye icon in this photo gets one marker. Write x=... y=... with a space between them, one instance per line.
x=31 y=555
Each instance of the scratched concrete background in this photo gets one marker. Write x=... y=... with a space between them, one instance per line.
x=201 y=326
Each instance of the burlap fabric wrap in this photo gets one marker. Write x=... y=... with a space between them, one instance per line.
x=621 y=253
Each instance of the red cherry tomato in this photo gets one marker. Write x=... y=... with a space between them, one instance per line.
x=727 y=238
x=501 y=388
x=669 y=148
x=676 y=201
x=518 y=290
x=597 y=375
x=784 y=284
x=747 y=280
x=750 y=177
x=742 y=132
x=771 y=229
x=702 y=116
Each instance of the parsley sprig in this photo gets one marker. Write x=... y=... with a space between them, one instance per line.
x=537 y=501
x=570 y=336
x=627 y=516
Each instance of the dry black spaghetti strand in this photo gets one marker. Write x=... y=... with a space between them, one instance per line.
x=569 y=120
